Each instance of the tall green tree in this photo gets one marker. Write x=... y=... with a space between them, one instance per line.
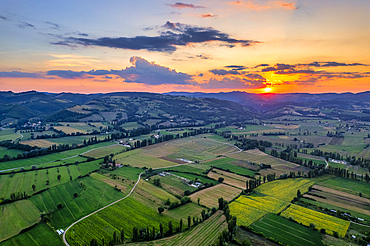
x=170 y=228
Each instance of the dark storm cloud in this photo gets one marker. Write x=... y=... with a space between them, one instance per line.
x=185 y=5
x=174 y=34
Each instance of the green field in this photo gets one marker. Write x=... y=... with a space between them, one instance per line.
x=99 y=153
x=174 y=184
x=143 y=160
x=91 y=195
x=51 y=157
x=188 y=168
x=347 y=185
x=16 y=216
x=182 y=212
x=226 y=164
x=8 y=134
x=195 y=177
x=45 y=143
x=198 y=148
x=10 y=152
x=140 y=210
x=202 y=235
x=131 y=173
x=40 y=235
x=286 y=232
x=23 y=181
x=131 y=125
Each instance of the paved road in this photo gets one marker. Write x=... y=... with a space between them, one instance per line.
x=327 y=164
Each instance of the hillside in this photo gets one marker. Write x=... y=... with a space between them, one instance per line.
x=328 y=105
x=144 y=108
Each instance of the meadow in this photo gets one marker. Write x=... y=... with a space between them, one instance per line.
x=10 y=152
x=341 y=199
x=107 y=150
x=17 y=216
x=51 y=157
x=39 y=235
x=347 y=185
x=138 y=210
x=9 y=134
x=43 y=178
x=91 y=194
x=204 y=234
x=286 y=232
x=45 y=143
x=227 y=165
x=188 y=168
x=319 y=220
x=174 y=184
x=143 y=160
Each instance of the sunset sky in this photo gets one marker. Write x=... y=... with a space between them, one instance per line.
x=160 y=46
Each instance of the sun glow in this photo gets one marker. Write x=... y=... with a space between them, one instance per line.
x=267 y=90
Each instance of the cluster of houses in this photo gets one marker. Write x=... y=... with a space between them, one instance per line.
x=115 y=165
x=184 y=160
x=338 y=161
x=60 y=231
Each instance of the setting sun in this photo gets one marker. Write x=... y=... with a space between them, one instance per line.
x=267 y=90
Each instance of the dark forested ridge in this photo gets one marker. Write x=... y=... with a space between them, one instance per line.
x=120 y=106
x=179 y=107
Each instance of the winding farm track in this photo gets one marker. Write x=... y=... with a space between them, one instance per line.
x=132 y=190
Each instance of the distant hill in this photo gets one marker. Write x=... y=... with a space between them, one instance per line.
x=273 y=105
x=179 y=108
x=145 y=108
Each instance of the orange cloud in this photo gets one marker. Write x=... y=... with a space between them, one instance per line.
x=250 y=4
x=207 y=15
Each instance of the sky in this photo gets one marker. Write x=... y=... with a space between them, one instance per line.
x=256 y=46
